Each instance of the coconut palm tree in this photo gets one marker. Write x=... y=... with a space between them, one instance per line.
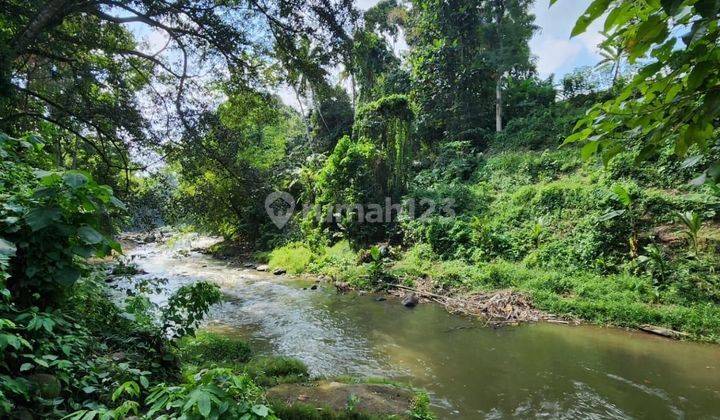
x=612 y=54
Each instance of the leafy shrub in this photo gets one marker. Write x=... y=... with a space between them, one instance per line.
x=293 y=257
x=49 y=222
x=212 y=393
x=187 y=307
x=351 y=176
x=270 y=371
x=207 y=347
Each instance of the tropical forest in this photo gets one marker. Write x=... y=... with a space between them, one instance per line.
x=359 y=209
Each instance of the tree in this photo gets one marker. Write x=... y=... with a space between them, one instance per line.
x=237 y=160
x=612 y=56
x=674 y=100
x=74 y=66
x=460 y=53
x=507 y=49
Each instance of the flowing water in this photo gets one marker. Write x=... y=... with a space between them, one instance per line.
x=470 y=371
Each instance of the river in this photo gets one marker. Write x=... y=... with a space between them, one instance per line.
x=470 y=371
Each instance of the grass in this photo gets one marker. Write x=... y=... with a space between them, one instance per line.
x=270 y=371
x=206 y=347
x=300 y=411
x=536 y=222
x=294 y=257
x=618 y=299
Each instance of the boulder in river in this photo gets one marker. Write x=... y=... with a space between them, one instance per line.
x=342 y=287
x=279 y=271
x=249 y=265
x=313 y=287
x=262 y=267
x=410 y=300
x=373 y=400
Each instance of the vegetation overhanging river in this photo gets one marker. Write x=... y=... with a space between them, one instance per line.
x=470 y=371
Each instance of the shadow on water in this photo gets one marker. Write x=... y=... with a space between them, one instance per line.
x=539 y=370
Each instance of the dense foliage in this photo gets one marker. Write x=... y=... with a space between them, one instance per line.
x=451 y=164
x=674 y=100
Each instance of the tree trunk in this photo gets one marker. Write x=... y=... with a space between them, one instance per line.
x=499 y=14
x=354 y=91
x=302 y=111
x=498 y=105
x=616 y=74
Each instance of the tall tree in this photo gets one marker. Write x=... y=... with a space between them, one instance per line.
x=75 y=65
x=460 y=53
x=507 y=36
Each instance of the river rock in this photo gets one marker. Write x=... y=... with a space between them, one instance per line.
x=375 y=400
x=342 y=286
x=313 y=287
x=262 y=267
x=249 y=265
x=380 y=299
x=46 y=385
x=279 y=271
x=410 y=300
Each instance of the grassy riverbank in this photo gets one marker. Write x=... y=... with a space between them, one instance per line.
x=602 y=245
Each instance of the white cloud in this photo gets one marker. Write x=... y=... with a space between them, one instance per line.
x=555 y=51
x=554 y=54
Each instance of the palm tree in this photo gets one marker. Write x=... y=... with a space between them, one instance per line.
x=612 y=57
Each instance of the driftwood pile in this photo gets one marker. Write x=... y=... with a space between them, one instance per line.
x=504 y=307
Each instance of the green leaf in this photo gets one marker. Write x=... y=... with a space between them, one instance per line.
x=671 y=6
x=610 y=215
x=622 y=194
x=7 y=249
x=260 y=410
x=26 y=366
x=594 y=11
x=578 y=136
x=75 y=179
x=589 y=149
x=66 y=276
x=89 y=235
x=117 y=203
x=699 y=74
x=41 y=218
x=691 y=161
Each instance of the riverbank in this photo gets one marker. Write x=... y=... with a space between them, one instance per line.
x=621 y=300
x=292 y=393
x=536 y=370
x=283 y=384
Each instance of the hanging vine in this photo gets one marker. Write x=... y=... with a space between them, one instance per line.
x=387 y=123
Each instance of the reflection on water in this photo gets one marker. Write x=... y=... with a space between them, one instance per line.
x=540 y=370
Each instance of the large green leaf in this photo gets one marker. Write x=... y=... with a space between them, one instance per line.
x=41 y=218
x=89 y=235
x=75 y=179
x=594 y=11
x=7 y=249
x=66 y=276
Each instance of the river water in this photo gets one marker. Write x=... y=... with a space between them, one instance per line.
x=470 y=372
